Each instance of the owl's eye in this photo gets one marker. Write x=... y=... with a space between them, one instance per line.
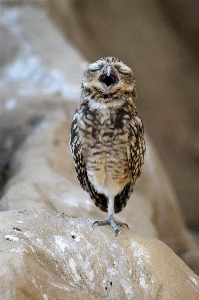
x=123 y=71
x=95 y=68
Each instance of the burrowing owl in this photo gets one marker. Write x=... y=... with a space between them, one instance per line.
x=107 y=136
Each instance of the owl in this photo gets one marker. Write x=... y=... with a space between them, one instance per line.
x=107 y=137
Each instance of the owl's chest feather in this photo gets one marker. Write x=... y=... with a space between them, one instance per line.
x=104 y=139
x=103 y=129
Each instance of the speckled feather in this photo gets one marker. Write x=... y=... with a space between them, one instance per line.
x=107 y=135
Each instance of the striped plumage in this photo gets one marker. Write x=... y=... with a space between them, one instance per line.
x=107 y=136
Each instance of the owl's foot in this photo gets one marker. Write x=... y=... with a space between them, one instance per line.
x=110 y=221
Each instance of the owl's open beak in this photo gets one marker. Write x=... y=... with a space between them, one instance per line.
x=108 y=78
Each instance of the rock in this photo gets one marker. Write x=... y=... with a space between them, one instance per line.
x=43 y=82
x=49 y=255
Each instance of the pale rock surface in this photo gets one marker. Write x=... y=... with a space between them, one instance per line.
x=43 y=82
x=52 y=256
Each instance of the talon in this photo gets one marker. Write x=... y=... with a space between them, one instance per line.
x=110 y=221
x=126 y=225
x=122 y=224
x=95 y=223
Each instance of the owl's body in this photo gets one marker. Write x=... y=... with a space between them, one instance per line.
x=107 y=140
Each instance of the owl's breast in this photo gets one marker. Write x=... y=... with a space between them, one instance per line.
x=106 y=160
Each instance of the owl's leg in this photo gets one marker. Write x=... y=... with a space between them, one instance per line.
x=110 y=221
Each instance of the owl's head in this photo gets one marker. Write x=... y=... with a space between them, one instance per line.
x=108 y=80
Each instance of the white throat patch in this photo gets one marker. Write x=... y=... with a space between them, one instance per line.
x=99 y=105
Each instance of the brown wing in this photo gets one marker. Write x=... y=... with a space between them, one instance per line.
x=80 y=166
x=136 y=147
x=135 y=155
